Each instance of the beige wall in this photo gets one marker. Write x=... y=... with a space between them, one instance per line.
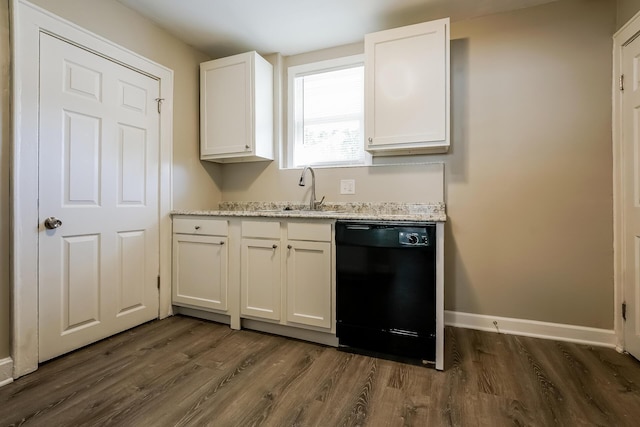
x=195 y=184
x=5 y=151
x=529 y=192
x=626 y=10
x=528 y=179
x=263 y=181
x=266 y=181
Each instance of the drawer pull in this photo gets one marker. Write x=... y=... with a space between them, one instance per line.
x=197 y=227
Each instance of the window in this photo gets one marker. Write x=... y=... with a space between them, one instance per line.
x=326 y=113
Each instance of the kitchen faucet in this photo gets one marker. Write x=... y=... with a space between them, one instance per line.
x=313 y=204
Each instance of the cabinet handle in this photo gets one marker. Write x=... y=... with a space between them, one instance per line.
x=197 y=227
x=274 y=246
x=289 y=247
x=370 y=139
x=221 y=242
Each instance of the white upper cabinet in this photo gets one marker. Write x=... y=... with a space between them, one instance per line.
x=236 y=109
x=407 y=89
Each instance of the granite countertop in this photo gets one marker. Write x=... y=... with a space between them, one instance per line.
x=382 y=211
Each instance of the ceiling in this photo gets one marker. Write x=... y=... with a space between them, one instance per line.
x=225 y=27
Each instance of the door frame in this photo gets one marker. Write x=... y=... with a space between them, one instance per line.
x=27 y=22
x=621 y=38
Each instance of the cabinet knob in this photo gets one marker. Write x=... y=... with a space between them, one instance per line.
x=246 y=147
x=289 y=247
x=274 y=246
x=370 y=139
x=221 y=242
x=197 y=227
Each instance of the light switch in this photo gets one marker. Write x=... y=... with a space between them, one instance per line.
x=347 y=186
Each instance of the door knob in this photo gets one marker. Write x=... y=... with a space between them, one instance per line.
x=52 y=223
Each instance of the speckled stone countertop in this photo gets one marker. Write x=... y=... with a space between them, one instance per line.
x=381 y=211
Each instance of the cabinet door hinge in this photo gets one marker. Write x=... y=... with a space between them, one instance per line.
x=624 y=311
x=621 y=82
x=158 y=281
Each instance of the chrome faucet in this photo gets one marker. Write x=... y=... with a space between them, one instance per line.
x=313 y=204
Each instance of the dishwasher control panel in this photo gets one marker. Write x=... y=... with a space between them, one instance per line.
x=413 y=239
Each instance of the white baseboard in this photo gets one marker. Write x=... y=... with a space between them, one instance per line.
x=6 y=371
x=532 y=328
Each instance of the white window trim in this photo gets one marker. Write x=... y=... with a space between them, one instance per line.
x=308 y=69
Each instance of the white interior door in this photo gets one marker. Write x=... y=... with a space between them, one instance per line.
x=631 y=194
x=99 y=175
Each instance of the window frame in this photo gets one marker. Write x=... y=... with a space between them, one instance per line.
x=312 y=68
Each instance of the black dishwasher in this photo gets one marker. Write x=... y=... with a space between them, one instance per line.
x=386 y=287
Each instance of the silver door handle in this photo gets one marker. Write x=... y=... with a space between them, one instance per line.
x=52 y=223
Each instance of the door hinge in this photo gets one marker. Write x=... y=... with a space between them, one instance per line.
x=624 y=311
x=621 y=82
x=159 y=101
x=158 y=281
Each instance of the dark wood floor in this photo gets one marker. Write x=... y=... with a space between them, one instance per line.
x=184 y=371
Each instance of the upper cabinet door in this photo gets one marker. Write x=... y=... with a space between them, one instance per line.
x=236 y=109
x=407 y=89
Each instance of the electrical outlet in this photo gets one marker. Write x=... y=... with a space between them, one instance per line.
x=347 y=186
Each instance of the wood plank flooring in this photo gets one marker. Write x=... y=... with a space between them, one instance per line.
x=188 y=372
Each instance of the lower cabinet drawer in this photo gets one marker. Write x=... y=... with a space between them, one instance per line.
x=261 y=229
x=318 y=232
x=202 y=226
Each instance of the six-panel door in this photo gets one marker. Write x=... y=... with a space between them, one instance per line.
x=99 y=177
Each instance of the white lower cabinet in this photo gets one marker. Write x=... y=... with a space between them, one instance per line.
x=278 y=272
x=309 y=274
x=260 y=278
x=260 y=269
x=300 y=284
x=309 y=283
x=200 y=263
